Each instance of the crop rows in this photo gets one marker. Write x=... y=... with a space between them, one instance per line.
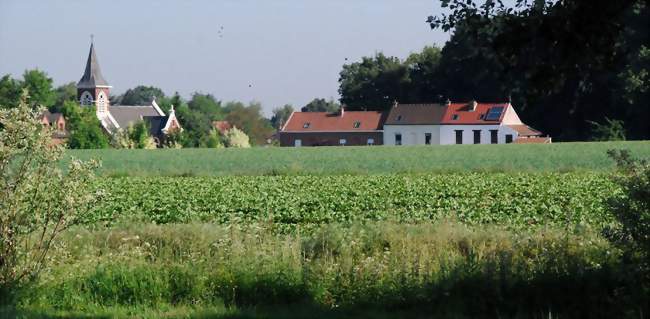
x=476 y=198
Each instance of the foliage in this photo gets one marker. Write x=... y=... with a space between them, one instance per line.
x=632 y=207
x=39 y=86
x=563 y=62
x=320 y=161
x=85 y=129
x=611 y=130
x=140 y=95
x=321 y=105
x=38 y=201
x=10 y=89
x=372 y=270
x=250 y=120
x=281 y=115
x=215 y=140
x=64 y=93
x=236 y=138
x=517 y=200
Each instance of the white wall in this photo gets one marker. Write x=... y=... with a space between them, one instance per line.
x=448 y=133
x=411 y=134
x=444 y=134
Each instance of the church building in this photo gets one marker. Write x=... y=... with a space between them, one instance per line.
x=93 y=91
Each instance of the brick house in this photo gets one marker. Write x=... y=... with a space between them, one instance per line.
x=56 y=121
x=332 y=129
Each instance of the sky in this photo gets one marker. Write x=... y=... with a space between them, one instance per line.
x=274 y=52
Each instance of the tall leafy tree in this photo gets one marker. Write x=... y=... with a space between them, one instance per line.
x=140 y=95
x=374 y=83
x=85 y=130
x=250 y=120
x=39 y=86
x=10 y=90
x=321 y=105
x=281 y=115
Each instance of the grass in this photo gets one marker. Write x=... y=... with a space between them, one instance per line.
x=360 y=160
x=388 y=270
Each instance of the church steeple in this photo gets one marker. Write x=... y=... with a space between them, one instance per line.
x=93 y=75
x=93 y=89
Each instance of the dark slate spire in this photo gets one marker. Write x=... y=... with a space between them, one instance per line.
x=93 y=75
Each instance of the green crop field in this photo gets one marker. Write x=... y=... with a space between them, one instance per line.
x=558 y=157
x=516 y=200
x=488 y=231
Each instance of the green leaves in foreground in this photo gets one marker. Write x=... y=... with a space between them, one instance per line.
x=521 y=200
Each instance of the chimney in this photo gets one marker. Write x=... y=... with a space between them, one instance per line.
x=448 y=103
x=342 y=110
x=472 y=105
x=395 y=103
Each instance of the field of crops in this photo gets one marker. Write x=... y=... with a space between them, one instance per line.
x=514 y=200
x=560 y=157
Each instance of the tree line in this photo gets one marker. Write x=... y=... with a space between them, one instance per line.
x=577 y=70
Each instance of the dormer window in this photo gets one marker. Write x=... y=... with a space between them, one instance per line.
x=399 y=118
x=482 y=116
x=357 y=124
x=306 y=125
x=454 y=117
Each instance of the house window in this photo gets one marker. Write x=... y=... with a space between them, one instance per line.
x=297 y=143
x=459 y=136
x=371 y=141
x=357 y=124
x=342 y=141
x=306 y=125
x=508 y=138
x=101 y=102
x=494 y=137
x=454 y=117
x=477 y=136
x=427 y=138
x=398 y=139
x=399 y=118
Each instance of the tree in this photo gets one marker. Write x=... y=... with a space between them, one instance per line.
x=560 y=61
x=38 y=200
x=374 y=83
x=250 y=120
x=9 y=91
x=236 y=138
x=39 y=86
x=281 y=115
x=196 y=118
x=140 y=95
x=321 y=105
x=611 y=130
x=66 y=92
x=85 y=129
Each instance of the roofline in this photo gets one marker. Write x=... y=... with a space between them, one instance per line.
x=360 y=131
x=287 y=122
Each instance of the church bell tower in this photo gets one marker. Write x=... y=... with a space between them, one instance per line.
x=92 y=89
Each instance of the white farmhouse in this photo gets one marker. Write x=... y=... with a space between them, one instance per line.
x=457 y=123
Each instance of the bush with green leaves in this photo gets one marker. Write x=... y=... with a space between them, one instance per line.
x=236 y=138
x=632 y=206
x=38 y=200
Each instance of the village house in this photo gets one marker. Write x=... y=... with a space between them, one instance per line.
x=457 y=123
x=56 y=122
x=328 y=129
x=93 y=91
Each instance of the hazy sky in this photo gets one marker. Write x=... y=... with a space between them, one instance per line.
x=289 y=51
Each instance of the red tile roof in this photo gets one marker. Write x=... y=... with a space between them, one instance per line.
x=525 y=130
x=333 y=122
x=461 y=113
x=533 y=140
x=222 y=126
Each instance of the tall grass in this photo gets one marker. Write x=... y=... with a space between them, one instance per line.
x=442 y=270
x=560 y=157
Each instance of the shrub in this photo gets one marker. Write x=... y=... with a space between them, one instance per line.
x=37 y=200
x=237 y=138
